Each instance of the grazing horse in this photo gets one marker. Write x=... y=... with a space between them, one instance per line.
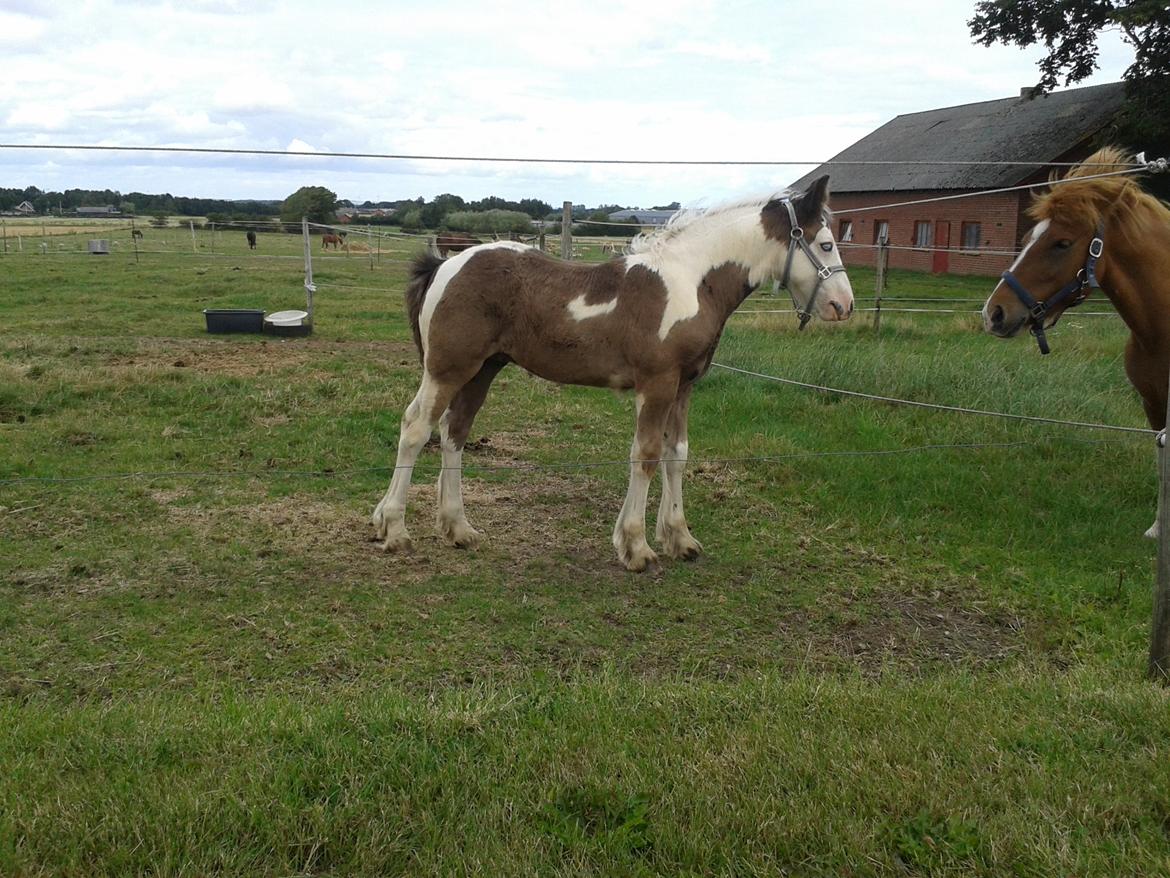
x=136 y=234
x=454 y=242
x=251 y=240
x=327 y=239
x=1104 y=232
x=647 y=322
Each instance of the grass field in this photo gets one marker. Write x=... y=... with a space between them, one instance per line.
x=924 y=661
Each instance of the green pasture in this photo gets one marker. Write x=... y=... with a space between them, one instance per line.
x=914 y=646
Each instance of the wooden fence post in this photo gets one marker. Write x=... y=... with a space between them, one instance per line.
x=1159 y=663
x=567 y=230
x=4 y=229
x=879 y=283
x=134 y=239
x=194 y=243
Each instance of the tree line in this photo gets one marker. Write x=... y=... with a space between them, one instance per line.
x=49 y=202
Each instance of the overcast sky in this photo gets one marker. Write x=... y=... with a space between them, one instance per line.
x=684 y=79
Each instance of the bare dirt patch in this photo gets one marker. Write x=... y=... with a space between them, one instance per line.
x=257 y=358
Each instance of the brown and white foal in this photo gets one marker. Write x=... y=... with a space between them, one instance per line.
x=647 y=322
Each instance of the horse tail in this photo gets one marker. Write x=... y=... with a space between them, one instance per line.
x=422 y=273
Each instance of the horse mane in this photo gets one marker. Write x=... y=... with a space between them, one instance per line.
x=1092 y=200
x=654 y=240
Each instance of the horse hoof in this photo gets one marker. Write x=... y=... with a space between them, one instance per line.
x=640 y=562
x=397 y=543
x=1152 y=533
x=461 y=537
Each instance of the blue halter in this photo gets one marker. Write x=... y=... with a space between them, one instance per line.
x=1077 y=290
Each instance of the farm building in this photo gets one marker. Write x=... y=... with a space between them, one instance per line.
x=973 y=235
x=107 y=210
x=646 y=218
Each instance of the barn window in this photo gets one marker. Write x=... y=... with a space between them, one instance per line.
x=881 y=231
x=922 y=233
x=845 y=235
x=971 y=234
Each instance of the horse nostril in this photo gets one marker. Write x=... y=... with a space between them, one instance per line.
x=837 y=307
x=851 y=308
x=997 y=316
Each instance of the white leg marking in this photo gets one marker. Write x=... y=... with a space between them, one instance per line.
x=671 y=529
x=629 y=533
x=450 y=520
x=390 y=514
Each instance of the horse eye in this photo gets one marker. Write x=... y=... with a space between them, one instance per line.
x=1062 y=244
x=827 y=246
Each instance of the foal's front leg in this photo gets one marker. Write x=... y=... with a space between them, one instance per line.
x=654 y=400
x=671 y=530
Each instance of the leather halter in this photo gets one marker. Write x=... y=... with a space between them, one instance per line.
x=824 y=272
x=1077 y=289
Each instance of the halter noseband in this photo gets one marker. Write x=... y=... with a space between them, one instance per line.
x=824 y=272
x=1077 y=289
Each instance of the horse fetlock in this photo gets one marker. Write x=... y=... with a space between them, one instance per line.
x=1152 y=533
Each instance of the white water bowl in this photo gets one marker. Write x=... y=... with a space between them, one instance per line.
x=286 y=318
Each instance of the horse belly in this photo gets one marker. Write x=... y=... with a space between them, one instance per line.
x=571 y=364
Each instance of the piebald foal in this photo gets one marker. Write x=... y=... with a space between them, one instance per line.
x=649 y=322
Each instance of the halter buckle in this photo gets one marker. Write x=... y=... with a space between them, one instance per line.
x=1038 y=310
x=1096 y=248
x=825 y=272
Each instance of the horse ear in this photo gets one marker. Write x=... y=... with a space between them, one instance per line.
x=810 y=204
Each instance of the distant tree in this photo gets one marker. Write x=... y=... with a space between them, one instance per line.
x=434 y=212
x=534 y=208
x=674 y=205
x=127 y=208
x=159 y=219
x=1069 y=30
x=314 y=202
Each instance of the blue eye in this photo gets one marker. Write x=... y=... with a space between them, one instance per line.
x=827 y=246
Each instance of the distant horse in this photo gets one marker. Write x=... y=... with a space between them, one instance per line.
x=251 y=240
x=1105 y=233
x=136 y=235
x=454 y=242
x=648 y=322
x=335 y=240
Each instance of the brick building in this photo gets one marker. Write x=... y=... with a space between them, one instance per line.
x=970 y=235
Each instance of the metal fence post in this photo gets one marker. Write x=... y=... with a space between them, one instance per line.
x=310 y=288
x=1159 y=663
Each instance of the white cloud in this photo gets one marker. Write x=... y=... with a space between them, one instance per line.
x=603 y=79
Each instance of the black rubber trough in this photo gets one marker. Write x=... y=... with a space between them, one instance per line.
x=234 y=319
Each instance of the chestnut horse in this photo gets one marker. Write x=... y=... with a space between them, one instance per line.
x=335 y=240
x=647 y=322
x=454 y=242
x=1104 y=232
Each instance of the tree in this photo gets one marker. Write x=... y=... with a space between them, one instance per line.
x=1069 y=29
x=315 y=202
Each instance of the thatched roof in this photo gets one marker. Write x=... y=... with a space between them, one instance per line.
x=1042 y=129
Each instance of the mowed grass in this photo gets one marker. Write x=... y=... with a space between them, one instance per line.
x=915 y=644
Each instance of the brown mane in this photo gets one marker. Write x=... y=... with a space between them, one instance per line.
x=1092 y=200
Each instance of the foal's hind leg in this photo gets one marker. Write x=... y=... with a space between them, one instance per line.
x=418 y=422
x=454 y=426
x=671 y=530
